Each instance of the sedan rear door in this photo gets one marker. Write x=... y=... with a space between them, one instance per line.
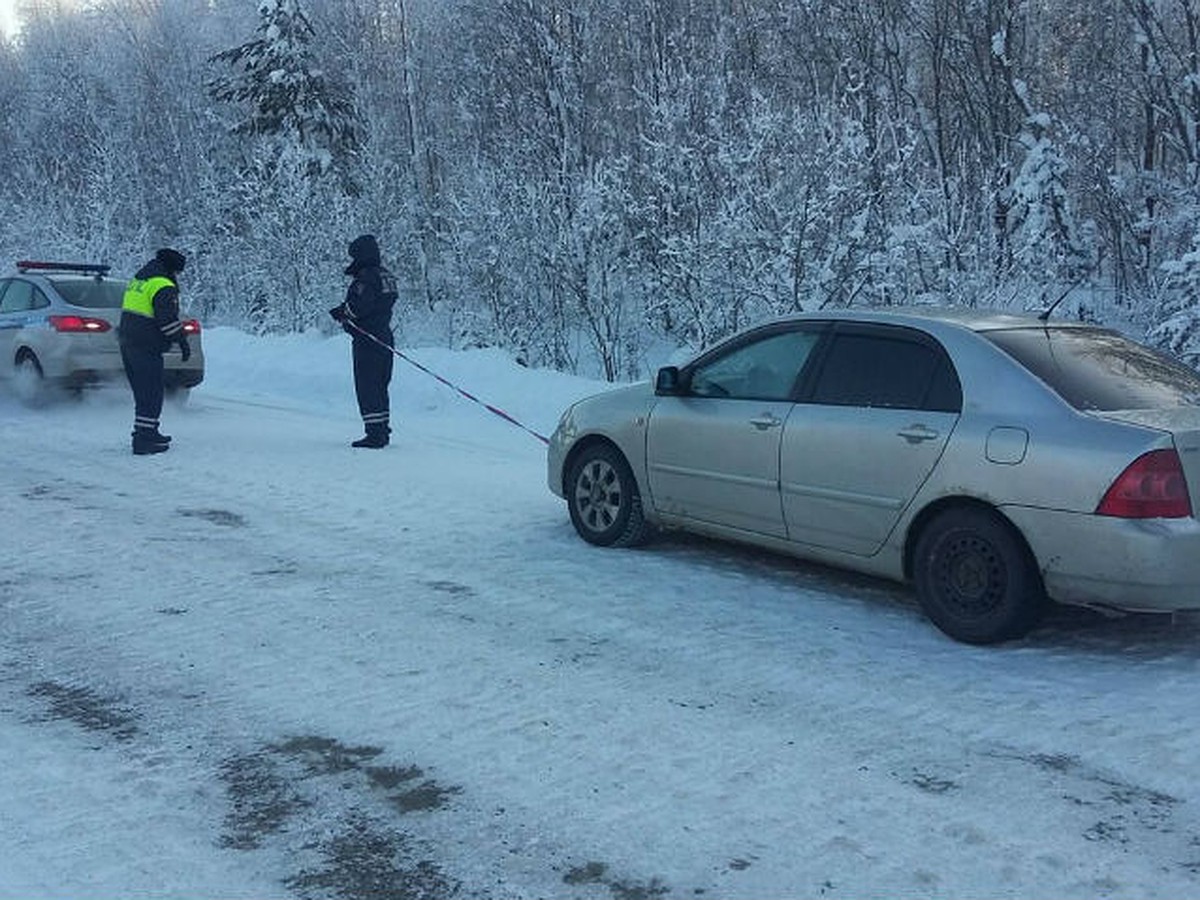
x=712 y=450
x=875 y=420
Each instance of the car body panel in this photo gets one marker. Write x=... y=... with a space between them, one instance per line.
x=849 y=496
x=836 y=494
x=617 y=416
x=717 y=461
x=1143 y=565
x=77 y=359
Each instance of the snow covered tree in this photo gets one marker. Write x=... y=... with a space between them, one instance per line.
x=1179 y=332
x=1043 y=233
x=285 y=92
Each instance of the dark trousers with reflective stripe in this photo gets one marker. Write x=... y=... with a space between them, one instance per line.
x=372 y=373
x=144 y=369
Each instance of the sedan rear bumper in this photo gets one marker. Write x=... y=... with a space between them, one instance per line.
x=1131 y=564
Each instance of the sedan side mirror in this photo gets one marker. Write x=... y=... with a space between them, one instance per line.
x=667 y=382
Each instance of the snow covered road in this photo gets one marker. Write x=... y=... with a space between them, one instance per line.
x=267 y=664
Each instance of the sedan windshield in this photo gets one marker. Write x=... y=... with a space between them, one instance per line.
x=1095 y=369
x=91 y=293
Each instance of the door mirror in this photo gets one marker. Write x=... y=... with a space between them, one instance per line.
x=667 y=382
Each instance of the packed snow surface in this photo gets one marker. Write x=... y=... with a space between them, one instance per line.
x=267 y=664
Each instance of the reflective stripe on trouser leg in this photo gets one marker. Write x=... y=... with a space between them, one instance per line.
x=372 y=372
x=144 y=369
x=376 y=422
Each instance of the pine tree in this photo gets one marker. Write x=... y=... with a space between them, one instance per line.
x=1044 y=233
x=285 y=92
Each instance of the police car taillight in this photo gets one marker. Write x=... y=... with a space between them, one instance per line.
x=191 y=326
x=79 y=324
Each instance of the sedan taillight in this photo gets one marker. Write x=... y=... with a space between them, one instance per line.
x=79 y=324
x=1151 y=487
x=191 y=326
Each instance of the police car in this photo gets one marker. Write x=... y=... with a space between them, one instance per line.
x=58 y=330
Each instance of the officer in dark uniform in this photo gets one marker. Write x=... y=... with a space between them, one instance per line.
x=150 y=324
x=366 y=315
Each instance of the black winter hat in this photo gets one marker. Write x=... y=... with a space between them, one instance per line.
x=172 y=260
x=364 y=251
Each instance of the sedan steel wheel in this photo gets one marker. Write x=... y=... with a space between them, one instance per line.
x=970 y=575
x=975 y=578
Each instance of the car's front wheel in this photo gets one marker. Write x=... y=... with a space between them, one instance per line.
x=29 y=383
x=602 y=495
x=976 y=579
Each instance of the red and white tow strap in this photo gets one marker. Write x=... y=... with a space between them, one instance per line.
x=492 y=409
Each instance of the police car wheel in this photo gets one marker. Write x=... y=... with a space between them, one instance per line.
x=29 y=383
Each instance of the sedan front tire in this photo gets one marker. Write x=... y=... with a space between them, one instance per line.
x=603 y=497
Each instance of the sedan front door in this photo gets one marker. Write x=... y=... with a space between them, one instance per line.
x=712 y=450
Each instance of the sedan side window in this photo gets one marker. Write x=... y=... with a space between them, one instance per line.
x=766 y=369
x=18 y=297
x=887 y=371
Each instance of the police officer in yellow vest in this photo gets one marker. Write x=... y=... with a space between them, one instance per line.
x=150 y=324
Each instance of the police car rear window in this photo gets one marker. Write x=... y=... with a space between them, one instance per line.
x=90 y=293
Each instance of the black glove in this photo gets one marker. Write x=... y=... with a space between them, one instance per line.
x=185 y=349
x=348 y=327
x=338 y=313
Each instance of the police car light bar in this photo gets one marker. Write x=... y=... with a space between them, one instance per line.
x=26 y=265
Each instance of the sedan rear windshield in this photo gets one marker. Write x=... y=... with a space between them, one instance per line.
x=90 y=293
x=1094 y=369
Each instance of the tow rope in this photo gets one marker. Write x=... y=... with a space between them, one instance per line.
x=412 y=362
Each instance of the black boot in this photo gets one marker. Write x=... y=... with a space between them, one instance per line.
x=146 y=442
x=377 y=436
x=145 y=447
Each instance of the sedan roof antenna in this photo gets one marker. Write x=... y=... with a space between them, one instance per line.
x=1044 y=315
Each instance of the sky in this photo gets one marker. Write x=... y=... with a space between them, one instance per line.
x=265 y=664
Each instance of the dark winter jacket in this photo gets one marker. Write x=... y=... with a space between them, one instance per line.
x=372 y=294
x=158 y=332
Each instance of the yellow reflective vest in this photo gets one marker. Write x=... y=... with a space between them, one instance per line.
x=139 y=296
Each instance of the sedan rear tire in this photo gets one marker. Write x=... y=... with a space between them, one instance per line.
x=975 y=578
x=602 y=495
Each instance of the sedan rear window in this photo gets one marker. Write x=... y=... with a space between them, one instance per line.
x=884 y=368
x=1094 y=369
x=90 y=293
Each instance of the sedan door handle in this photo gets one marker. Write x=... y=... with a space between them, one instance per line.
x=916 y=433
x=765 y=421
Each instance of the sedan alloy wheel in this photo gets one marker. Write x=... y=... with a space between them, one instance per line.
x=606 y=508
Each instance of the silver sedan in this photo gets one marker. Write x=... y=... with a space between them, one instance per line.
x=997 y=462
